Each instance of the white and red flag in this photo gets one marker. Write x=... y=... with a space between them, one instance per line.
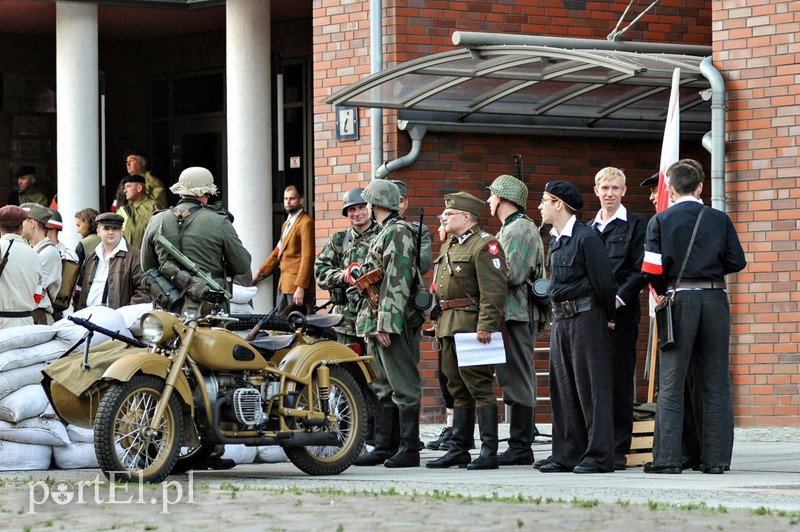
x=671 y=143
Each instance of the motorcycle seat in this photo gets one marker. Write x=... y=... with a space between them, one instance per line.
x=324 y=321
x=273 y=343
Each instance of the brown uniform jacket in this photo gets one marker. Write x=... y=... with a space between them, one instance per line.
x=126 y=283
x=296 y=257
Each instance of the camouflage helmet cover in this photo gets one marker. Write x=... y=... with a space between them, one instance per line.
x=382 y=193
x=352 y=197
x=509 y=187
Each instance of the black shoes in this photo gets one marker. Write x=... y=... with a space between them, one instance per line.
x=515 y=456
x=442 y=443
x=219 y=464
x=663 y=470
x=539 y=463
x=714 y=470
x=450 y=459
x=551 y=466
x=620 y=463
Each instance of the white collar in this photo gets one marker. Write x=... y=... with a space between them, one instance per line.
x=568 y=227
x=620 y=214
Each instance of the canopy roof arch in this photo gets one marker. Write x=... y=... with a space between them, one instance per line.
x=542 y=86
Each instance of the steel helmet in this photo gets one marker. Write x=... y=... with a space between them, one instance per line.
x=509 y=187
x=382 y=193
x=352 y=197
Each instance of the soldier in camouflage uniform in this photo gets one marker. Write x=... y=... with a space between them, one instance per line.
x=332 y=266
x=425 y=252
x=390 y=325
x=524 y=251
x=471 y=287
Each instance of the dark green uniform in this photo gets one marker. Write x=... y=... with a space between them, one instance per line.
x=477 y=260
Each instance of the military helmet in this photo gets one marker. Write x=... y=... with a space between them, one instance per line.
x=382 y=193
x=352 y=197
x=509 y=187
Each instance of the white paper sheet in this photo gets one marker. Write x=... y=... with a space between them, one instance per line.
x=471 y=352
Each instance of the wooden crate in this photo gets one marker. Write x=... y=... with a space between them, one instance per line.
x=642 y=443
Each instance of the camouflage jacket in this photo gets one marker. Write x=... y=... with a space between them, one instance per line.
x=333 y=259
x=393 y=253
x=524 y=251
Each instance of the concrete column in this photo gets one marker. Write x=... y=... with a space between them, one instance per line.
x=78 y=118
x=247 y=30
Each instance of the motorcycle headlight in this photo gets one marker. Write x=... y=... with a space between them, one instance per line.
x=152 y=328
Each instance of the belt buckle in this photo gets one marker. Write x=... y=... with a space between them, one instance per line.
x=567 y=308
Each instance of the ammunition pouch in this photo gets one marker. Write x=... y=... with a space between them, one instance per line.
x=162 y=291
x=339 y=295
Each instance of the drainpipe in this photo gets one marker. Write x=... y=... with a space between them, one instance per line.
x=417 y=133
x=714 y=141
x=376 y=65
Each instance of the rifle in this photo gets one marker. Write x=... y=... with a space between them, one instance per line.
x=190 y=266
x=5 y=257
x=91 y=328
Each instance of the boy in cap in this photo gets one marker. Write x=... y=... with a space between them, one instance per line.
x=471 y=288
x=390 y=325
x=20 y=271
x=33 y=230
x=524 y=250
x=138 y=211
x=582 y=291
x=112 y=273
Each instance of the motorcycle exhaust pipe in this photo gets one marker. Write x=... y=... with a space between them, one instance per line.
x=282 y=439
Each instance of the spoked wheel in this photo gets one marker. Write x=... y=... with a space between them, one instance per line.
x=123 y=441
x=349 y=409
x=192 y=458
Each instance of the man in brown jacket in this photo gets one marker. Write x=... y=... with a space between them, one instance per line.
x=295 y=254
x=112 y=273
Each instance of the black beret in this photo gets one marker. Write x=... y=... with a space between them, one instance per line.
x=650 y=181
x=566 y=192
x=135 y=178
x=25 y=170
x=109 y=219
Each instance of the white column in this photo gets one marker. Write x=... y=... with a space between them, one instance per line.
x=78 y=118
x=247 y=30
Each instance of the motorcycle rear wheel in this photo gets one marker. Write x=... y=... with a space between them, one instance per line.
x=347 y=402
x=120 y=440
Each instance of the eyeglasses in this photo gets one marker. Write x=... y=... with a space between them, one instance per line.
x=552 y=200
x=446 y=215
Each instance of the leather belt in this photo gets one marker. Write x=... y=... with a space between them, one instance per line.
x=460 y=302
x=704 y=285
x=20 y=314
x=568 y=309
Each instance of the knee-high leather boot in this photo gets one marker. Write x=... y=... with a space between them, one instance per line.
x=463 y=429
x=519 y=450
x=487 y=424
x=387 y=437
x=408 y=453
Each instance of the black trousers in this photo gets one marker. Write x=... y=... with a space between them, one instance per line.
x=580 y=391
x=623 y=363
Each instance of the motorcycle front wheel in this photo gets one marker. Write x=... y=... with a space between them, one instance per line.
x=347 y=403
x=121 y=440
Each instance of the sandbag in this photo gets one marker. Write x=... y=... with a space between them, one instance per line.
x=25 y=336
x=241 y=454
x=131 y=314
x=271 y=454
x=79 y=434
x=241 y=297
x=35 y=430
x=49 y=412
x=99 y=315
x=28 y=401
x=24 y=456
x=13 y=380
x=35 y=354
x=75 y=455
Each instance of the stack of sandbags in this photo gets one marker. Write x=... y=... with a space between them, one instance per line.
x=79 y=452
x=132 y=314
x=105 y=317
x=241 y=297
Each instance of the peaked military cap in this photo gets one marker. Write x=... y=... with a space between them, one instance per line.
x=464 y=201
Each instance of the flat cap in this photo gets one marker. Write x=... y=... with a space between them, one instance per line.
x=135 y=178
x=25 y=170
x=12 y=216
x=402 y=186
x=36 y=212
x=109 y=219
x=650 y=181
x=464 y=201
x=55 y=221
x=138 y=153
x=566 y=192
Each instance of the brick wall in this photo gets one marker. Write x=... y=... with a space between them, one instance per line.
x=449 y=162
x=756 y=49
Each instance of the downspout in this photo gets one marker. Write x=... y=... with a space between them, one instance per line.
x=417 y=133
x=714 y=141
x=376 y=65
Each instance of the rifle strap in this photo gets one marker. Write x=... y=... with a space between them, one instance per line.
x=5 y=257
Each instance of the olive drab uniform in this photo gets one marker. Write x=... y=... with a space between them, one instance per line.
x=343 y=249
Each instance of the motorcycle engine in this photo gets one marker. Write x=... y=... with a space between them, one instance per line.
x=247 y=406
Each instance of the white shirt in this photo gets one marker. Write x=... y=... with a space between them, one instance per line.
x=568 y=227
x=98 y=286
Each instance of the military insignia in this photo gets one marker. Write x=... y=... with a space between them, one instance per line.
x=496 y=263
x=494 y=248
x=458 y=269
